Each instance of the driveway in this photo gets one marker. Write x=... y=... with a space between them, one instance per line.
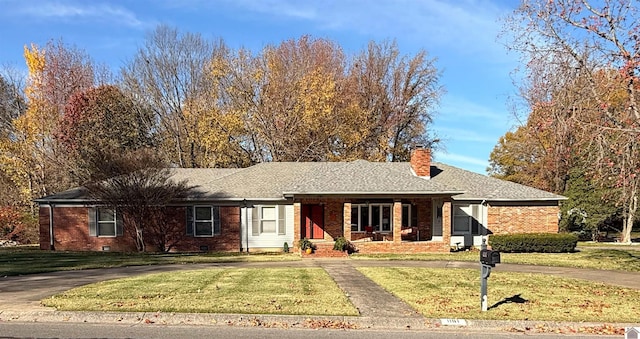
x=20 y=295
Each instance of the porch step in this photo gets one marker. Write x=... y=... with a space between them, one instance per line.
x=325 y=250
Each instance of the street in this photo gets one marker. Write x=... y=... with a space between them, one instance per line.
x=87 y=330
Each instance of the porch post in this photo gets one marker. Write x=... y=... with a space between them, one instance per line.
x=397 y=222
x=346 y=223
x=446 y=223
x=296 y=225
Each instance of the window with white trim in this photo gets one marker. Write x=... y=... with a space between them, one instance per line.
x=268 y=219
x=466 y=219
x=203 y=221
x=377 y=217
x=106 y=222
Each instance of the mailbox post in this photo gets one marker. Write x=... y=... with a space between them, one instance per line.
x=488 y=259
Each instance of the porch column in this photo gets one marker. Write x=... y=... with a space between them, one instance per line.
x=397 y=222
x=297 y=208
x=446 y=223
x=346 y=220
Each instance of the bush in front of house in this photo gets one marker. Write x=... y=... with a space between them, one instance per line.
x=534 y=242
x=305 y=244
x=342 y=244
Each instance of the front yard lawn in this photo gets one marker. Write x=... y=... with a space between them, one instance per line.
x=455 y=293
x=30 y=260
x=599 y=259
x=305 y=291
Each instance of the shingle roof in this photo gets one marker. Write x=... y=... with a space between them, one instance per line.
x=481 y=187
x=364 y=177
x=275 y=180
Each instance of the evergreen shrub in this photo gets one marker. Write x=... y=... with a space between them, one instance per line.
x=534 y=242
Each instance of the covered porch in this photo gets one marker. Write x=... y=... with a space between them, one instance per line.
x=376 y=225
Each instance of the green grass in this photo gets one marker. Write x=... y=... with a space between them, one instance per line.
x=600 y=259
x=613 y=245
x=305 y=291
x=30 y=260
x=447 y=293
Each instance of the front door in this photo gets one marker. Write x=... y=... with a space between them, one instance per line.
x=313 y=221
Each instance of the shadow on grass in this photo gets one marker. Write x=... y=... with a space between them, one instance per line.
x=614 y=254
x=21 y=261
x=516 y=299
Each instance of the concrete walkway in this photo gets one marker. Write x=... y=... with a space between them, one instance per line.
x=369 y=298
x=20 y=296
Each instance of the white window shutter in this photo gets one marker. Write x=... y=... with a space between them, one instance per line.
x=255 y=221
x=282 y=226
x=93 y=229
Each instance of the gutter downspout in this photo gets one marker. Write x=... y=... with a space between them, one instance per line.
x=51 y=240
x=246 y=225
x=484 y=227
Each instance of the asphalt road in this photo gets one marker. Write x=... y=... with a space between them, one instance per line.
x=76 y=330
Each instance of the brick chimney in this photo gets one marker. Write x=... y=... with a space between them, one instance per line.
x=421 y=161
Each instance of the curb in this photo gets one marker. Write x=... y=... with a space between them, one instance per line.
x=301 y=321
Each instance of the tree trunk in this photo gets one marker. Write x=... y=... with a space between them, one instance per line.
x=140 y=240
x=629 y=220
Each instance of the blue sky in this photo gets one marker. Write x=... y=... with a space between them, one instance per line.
x=462 y=35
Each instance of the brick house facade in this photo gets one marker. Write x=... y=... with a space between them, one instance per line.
x=510 y=218
x=411 y=207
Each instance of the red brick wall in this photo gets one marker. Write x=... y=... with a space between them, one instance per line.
x=71 y=232
x=333 y=219
x=43 y=222
x=506 y=218
x=346 y=220
x=421 y=162
x=404 y=247
x=227 y=241
x=297 y=225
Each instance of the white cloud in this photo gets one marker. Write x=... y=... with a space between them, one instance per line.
x=295 y=9
x=459 y=109
x=94 y=11
x=469 y=27
x=465 y=135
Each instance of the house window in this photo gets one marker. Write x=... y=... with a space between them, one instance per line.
x=203 y=221
x=106 y=222
x=377 y=217
x=269 y=220
x=355 y=220
x=409 y=215
x=466 y=219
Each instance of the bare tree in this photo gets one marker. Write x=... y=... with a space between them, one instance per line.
x=12 y=101
x=139 y=187
x=170 y=74
x=598 y=45
x=397 y=96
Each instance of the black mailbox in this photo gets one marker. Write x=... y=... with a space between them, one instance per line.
x=489 y=257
